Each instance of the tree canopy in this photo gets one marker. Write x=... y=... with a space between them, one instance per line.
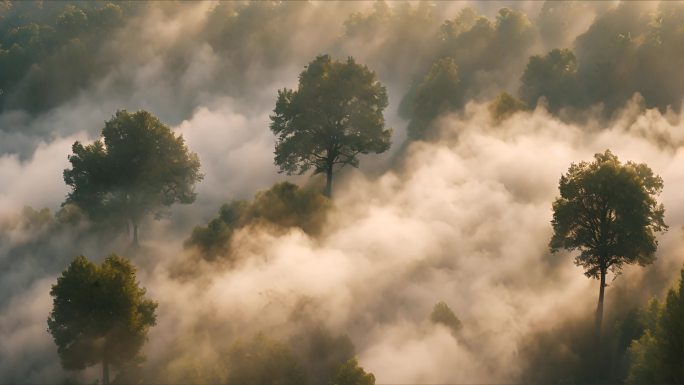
x=552 y=76
x=350 y=373
x=140 y=166
x=504 y=106
x=656 y=357
x=334 y=115
x=99 y=314
x=284 y=205
x=609 y=213
x=438 y=93
x=442 y=314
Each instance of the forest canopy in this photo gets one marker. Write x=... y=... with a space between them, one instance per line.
x=214 y=130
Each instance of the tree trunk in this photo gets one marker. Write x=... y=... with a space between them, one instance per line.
x=598 y=351
x=328 y=182
x=105 y=372
x=599 y=307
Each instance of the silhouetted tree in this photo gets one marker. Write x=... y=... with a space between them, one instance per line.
x=99 y=314
x=334 y=115
x=139 y=167
x=608 y=211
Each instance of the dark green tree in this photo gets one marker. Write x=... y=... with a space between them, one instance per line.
x=99 y=314
x=658 y=356
x=552 y=76
x=334 y=115
x=608 y=212
x=139 y=167
x=350 y=373
x=438 y=93
x=442 y=314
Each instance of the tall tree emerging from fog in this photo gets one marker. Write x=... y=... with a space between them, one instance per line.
x=139 y=167
x=99 y=314
x=608 y=212
x=334 y=115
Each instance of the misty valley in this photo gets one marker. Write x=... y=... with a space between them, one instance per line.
x=341 y=193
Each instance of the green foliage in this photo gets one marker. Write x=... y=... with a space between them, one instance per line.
x=99 y=314
x=139 y=167
x=213 y=239
x=442 y=314
x=656 y=358
x=505 y=106
x=54 y=43
x=333 y=116
x=262 y=361
x=479 y=44
x=553 y=76
x=627 y=49
x=284 y=205
x=472 y=51
x=287 y=205
x=628 y=327
x=438 y=93
x=350 y=373
x=608 y=211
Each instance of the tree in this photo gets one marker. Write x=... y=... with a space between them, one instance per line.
x=284 y=205
x=657 y=357
x=333 y=116
x=99 y=314
x=442 y=314
x=504 y=106
x=553 y=76
x=608 y=211
x=139 y=167
x=438 y=93
x=350 y=373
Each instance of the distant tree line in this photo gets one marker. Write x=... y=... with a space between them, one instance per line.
x=628 y=48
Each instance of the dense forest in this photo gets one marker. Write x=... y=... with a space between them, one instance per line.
x=341 y=193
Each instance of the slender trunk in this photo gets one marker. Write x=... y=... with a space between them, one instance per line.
x=599 y=307
x=328 y=182
x=599 y=321
x=105 y=372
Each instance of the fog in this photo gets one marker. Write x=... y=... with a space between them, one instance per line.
x=463 y=217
